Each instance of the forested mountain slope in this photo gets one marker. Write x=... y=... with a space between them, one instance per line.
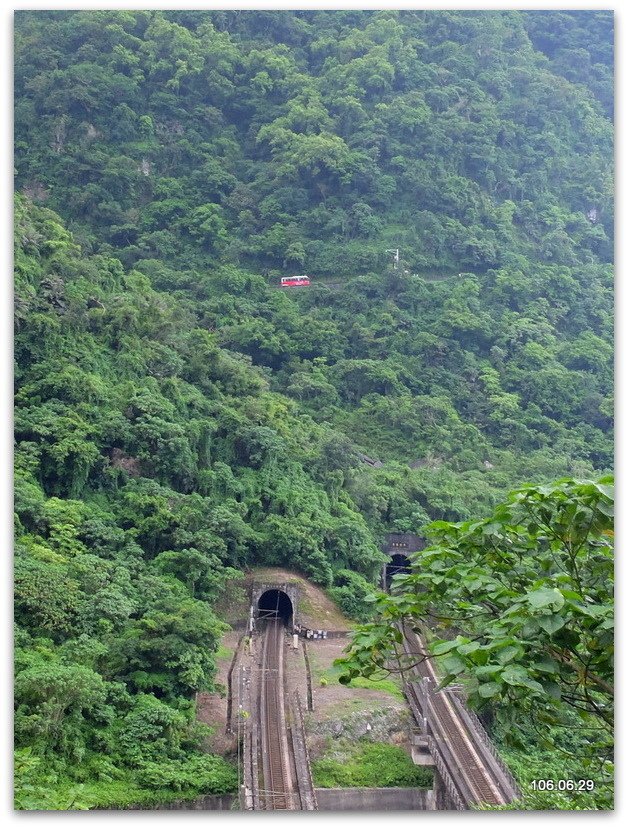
x=183 y=142
x=318 y=138
x=151 y=467
x=180 y=418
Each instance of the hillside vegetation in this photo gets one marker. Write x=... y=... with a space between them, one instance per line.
x=179 y=418
x=204 y=148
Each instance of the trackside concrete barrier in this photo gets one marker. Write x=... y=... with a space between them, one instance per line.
x=374 y=799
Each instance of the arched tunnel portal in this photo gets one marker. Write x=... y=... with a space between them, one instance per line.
x=275 y=603
x=398 y=565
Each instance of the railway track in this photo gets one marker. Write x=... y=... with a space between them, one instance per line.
x=279 y=774
x=478 y=777
x=482 y=787
x=277 y=788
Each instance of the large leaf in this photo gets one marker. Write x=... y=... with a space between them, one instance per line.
x=551 y=623
x=491 y=688
x=545 y=597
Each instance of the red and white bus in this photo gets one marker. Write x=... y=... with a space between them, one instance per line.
x=295 y=281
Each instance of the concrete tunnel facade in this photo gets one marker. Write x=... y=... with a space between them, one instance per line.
x=399 y=546
x=276 y=599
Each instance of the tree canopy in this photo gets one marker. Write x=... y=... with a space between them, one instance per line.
x=520 y=607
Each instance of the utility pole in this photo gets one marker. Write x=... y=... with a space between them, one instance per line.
x=395 y=255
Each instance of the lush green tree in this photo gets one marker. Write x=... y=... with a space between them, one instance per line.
x=519 y=604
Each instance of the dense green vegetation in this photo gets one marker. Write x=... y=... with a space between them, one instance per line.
x=140 y=495
x=524 y=599
x=179 y=418
x=555 y=754
x=204 y=148
x=375 y=765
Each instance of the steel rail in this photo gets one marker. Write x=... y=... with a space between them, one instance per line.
x=277 y=788
x=477 y=782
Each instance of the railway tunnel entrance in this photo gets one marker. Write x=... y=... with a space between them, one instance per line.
x=399 y=546
x=275 y=603
x=399 y=565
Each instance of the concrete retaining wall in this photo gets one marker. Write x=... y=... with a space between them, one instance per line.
x=203 y=803
x=374 y=799
x=328 y=799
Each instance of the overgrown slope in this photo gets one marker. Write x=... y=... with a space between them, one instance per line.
x=151 y=465
x=189 y=144
x=180 y=418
